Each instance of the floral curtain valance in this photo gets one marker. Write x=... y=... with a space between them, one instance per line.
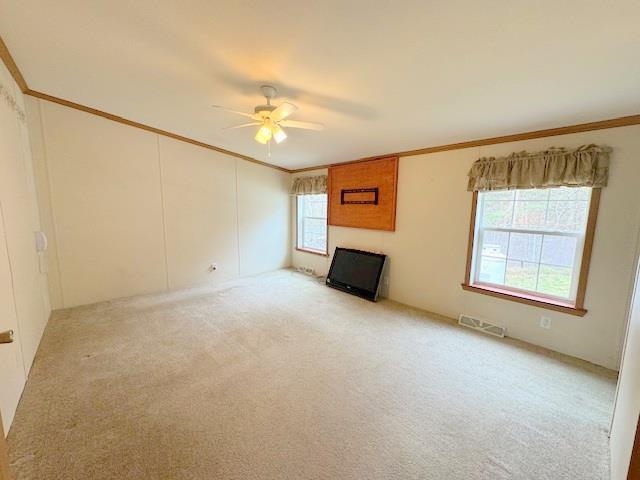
x=309 y=185
x=586 y=166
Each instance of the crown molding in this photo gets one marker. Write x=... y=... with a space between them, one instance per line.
x=142 y=126
x=549 y=132
x=11 y=65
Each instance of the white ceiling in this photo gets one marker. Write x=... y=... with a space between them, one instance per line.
x=383 y=76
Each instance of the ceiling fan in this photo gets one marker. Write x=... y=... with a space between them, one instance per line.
x=271 y=118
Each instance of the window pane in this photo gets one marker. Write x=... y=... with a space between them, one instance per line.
x=495 y=244
x=525 y=246
x=312 y=222
x=539 y=235
x=493 y=260
x=567 y=193
x=567 y=215
x=499 y=195
x=530 y=215
x=559 y=251
x=492 y=270
x=315 y=206
x=522 y=275
x=555 y=281
x=315 y=233
x=497 y=214
x=533 y=194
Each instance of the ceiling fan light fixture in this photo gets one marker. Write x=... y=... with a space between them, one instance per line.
x=271 y=118
x=278 y=134
x=264 y=134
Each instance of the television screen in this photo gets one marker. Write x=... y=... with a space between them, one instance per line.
x=357 y=272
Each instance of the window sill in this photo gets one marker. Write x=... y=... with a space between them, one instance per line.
x=314 y=252
x=532 y=300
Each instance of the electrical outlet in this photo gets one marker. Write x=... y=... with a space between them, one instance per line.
x=545 y=322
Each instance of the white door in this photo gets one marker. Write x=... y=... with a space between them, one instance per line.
x=12 y=376
x=17 y=197
x=13 y=207
x=627 y=405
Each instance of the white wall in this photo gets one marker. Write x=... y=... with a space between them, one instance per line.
x=258 y=212
x=132 y=212
x=627 y=408
x=428 y=249
x=24 y=301
x=200 y=210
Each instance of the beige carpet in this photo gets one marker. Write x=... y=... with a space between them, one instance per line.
x=280 y=377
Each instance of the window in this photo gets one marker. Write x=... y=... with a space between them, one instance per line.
x=533 y=245
x=312 y=223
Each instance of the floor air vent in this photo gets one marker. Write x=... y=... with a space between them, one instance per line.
x=467 y=321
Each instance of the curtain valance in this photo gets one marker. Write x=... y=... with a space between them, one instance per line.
x=309 y=185
x=586 y=166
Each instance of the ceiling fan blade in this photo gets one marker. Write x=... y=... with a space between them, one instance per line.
x=250 y=115
x=304 y=125
x=283 y=111
x=242 y=125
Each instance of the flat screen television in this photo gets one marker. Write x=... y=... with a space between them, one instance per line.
x=357 y=272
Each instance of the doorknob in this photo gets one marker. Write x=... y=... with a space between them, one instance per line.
x=6 y=337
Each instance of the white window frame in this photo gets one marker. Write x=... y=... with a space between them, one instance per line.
x=300 y=220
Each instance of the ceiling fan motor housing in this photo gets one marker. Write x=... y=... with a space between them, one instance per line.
x=264 y=110
x=269 y=93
